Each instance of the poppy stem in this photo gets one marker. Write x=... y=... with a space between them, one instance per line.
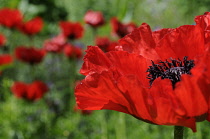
x=94 y=30
x=178 y=132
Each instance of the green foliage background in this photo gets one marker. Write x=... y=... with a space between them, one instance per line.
x=20 y=119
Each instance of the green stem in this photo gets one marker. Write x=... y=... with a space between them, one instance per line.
x=94 y=30
x=178 y=132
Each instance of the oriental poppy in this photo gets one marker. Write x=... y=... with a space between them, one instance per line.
x=5 y=61
x=56 y=44
x=94 y=18
x=10 y=17
x=29 y=55
x=102 y=42
x=121 y=29
x=72 y=51
x=32 y=26
x=160 y=77
x=33 y=91
x=105 y=44
x=71 y=30
x=2 y=40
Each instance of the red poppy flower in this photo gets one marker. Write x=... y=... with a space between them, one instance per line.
x=10 y=17
x=31 y=27
x=55 y=44
x=94 y=18
x=105 y=44
x=29 y=55
x=102 y=42
x=2 y=40
x=71 y=30
x=160 y=77
x=5 y=59
x=121 y=29
x=72 y=51
x=33 y=91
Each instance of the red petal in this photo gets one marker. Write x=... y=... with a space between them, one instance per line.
x=99 y=91
x=137 y=97
x=140 y=41
x=203 y=20
x=95 y=60
x=167 y=107
x=158 y=35
x=178 y=43
x=130 y=64
x=191 y=96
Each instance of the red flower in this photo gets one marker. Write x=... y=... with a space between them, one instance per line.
x=71 y=30
x=93 y=18
x=32 y=27
x=2 y=40
x=121 y=29
x=55 y=44
x=5 y=59
x=105 y=44
x=10 y=17
x=29 y=55
x=172 y=89
x=72 y=51
x=33 y=91
x=102 y=42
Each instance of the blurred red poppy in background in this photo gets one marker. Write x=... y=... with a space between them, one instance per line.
x=5 y=59
x=102 y=42
x=105 y=44
x=32 y=26
x=10 y=17
x=153 y=76
x=29 y=55
x=56 y=44
x=32 y=92
x=2 y=40
x=121 y=29
x=71 y=30
x=94 y=18
x=72 y=51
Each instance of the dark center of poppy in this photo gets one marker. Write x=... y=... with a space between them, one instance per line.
x=172 y=69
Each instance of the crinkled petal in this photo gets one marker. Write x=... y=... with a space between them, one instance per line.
x=130 y=64
x=167 y=107
x=191 y=96
x=184 y=41
x=141 y=42
x=99 y=91
x=203 y=20
x=96 y=60
x=159 y=34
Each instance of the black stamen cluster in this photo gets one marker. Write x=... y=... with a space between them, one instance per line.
x=170 y=70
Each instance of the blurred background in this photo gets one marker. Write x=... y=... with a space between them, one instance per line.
x=50 y=111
